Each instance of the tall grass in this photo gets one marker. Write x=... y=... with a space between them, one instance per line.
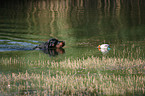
x=91 y=76
x=120 y=75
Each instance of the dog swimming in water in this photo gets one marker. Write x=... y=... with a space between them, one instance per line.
x=52 y=47
x=51 y=44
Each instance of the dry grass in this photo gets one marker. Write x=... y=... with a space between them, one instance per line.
x=91 y=76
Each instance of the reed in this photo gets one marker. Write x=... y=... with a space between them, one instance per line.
x=90 y=76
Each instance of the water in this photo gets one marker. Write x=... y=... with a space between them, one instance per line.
x=82 y=24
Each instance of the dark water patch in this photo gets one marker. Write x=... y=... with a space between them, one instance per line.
x=20 y=44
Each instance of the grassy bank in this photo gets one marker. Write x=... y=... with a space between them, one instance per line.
x=91 y=76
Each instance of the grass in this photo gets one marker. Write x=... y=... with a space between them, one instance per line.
x=85 y=76
x=91 y=76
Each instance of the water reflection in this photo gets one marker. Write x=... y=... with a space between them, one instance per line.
x=72 y=21
x=54 y=52
x=11 y=45
x=104 y=50
x=75 y=19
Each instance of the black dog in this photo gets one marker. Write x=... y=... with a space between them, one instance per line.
x=52 y=47
x=51 y=44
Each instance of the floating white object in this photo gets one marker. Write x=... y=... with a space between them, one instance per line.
x=104 y=50
x=103 y=46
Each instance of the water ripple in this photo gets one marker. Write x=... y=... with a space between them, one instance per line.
x=9 y=45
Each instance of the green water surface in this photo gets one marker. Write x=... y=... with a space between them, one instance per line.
x=82 y=24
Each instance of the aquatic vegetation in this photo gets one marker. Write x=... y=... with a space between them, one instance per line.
x=90 y=76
